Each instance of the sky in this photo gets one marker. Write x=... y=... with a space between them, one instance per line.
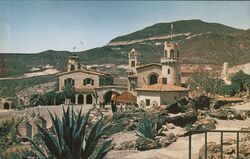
x=36 y=26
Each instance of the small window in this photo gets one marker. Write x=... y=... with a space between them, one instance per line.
x=72 y=67
x=164 y=81
x=147 y=102
x=171 y=53
x=132 y=63
x=168 y=71
x=69 y=81
x=178 y=54
x=88 y=81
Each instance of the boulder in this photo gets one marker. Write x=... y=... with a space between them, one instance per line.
x=228 y=114
x=201 y=102
x=204 y=124
x=143 y=144
x=183 y=119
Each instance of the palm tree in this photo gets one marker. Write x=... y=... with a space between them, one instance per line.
x=72 y=137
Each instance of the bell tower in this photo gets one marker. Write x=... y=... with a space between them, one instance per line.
x=73 y=63
x=132 y=61
x=171 y=64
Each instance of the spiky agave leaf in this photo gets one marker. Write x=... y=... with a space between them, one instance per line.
x=103 y=150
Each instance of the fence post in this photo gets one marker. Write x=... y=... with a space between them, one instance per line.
x=221 y=144
x=237 y=145
x=206 y=145
x=190 y=144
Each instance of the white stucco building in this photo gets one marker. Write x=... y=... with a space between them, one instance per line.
x=156 y=83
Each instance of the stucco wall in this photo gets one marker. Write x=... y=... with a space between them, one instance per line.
x=171 y=97
x=153 y=96
x=162 y=98
x=143 y=73
x=78 y=77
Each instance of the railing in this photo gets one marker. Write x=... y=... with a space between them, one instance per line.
x=190 y=133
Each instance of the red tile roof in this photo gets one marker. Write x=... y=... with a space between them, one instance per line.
x=126 y=97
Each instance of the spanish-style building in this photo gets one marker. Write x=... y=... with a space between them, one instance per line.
x=91 y=86
x=156 y=84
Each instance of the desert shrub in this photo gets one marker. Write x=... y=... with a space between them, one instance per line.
x=73 y=137
x=149 y=128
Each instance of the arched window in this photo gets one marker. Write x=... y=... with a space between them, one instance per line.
x=171 y=53
x=168 y=71
x=80 y=99
x=132 y=63
x=165 y=53
x=89 y=99
x=153 y=79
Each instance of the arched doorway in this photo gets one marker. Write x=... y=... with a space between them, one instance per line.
x=6 y=106
x=73 y=100
x=80 y=99
x=153 y=79
x=107 y=96
x=89 y=99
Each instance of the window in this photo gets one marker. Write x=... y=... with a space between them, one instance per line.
x=164 y=81
x=153 y=79
x=171 y=53
x=69 y=81
x=72 y=67
x=165 y=53
x=88 y=81
x=147 y=102
x=132 y=63
x=89 y=99
x=168 y=71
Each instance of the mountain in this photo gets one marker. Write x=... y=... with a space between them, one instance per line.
x=200 y=42
x=183 y=26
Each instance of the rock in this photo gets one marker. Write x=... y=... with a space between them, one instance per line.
x=201 y=102
x=213 y=151
x=126 y=145
x=218 y=104
x=167 y=139
x=229 y=141
x=230 y=150
x=170 y=126
x=179 y=106
x=124 y=140
x=143 y=144
x=183 y=119
x=204 y=124
x=228 y=114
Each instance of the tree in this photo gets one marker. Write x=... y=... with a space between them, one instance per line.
x=242 y=80
x=71 y=139
x=68 y=91
x=205 y=82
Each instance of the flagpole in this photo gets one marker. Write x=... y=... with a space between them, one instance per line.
x=171 y=30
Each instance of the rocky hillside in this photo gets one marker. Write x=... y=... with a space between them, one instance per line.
x=200 y=42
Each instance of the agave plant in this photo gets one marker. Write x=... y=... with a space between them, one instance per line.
x=72 y=138
x=149 y=128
